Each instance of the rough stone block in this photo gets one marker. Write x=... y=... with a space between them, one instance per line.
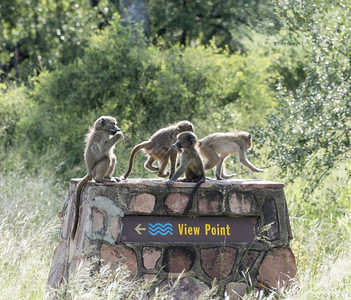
x=235 y=290
x=218 y=262
x=188 y=288
x=97 y=220
x=68 y=218
x=143 y=203
x=247 y=261
x=176 y=202
x=150 y=277
x=116 y=228
x=209 y=202
x=82 y=227
x=178 y=259
x=270 y=216
x=58 y=265
x=80 y=263
x=115 y=255
x=242 y=203
x=277 y=268
x=150 y=257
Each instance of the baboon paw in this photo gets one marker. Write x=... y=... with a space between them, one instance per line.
x=229 y=176
x=169 y=183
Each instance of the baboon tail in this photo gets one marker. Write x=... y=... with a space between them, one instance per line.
x=80 y=186
x=138 y=147
x=193 y=192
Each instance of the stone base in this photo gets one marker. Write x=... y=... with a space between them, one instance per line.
x=267 y=259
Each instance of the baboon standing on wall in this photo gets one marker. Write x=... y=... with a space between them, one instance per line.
x=157 y=149
x=216 y=147
x=190 y=163
x=99 y=157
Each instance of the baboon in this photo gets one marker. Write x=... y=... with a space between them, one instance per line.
x=216 y=147
x=190 y=163
x=157 y=149
x=98 y=156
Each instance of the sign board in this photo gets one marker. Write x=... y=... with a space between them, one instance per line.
x=168 y=229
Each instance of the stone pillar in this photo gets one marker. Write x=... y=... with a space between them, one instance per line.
x=234 y=229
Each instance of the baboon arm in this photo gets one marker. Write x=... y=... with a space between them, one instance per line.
x=180 y=172
x=99 y=150
x=173 y=146
x=245 y=162
x=108 y=144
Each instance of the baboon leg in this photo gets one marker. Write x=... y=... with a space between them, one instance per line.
x=163 y=165
x=148 y=165
x=112 y=169
x=112 y=166
x=173 y=159
x=99 y=173
x=220 y=171
x=212 y=160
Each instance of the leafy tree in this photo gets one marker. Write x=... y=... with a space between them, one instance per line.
x=145 y=86
x=40 y=34
x=186 y=22
x=311 y=125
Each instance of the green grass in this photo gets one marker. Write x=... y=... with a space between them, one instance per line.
x=29 y=229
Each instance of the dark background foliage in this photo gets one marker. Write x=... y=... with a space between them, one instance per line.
x=279 y=69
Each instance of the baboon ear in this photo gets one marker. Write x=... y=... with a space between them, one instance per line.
x=102 y=122
x=249 y=137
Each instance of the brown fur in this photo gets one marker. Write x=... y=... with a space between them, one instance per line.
x=99 y=157
x=157 y=149
x=190 y=163
x=216 y=147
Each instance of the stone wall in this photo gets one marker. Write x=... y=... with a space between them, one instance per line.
x=251 y=207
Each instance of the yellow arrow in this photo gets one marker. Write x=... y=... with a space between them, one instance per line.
x=138 y=229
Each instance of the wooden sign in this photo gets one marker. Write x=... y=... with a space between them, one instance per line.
x=162 y=229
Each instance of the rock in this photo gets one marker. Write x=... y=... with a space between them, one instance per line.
x=218 y=262
x=115 y=255
x=277 y=268
x=178 y=259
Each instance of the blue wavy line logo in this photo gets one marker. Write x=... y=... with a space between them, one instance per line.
x=162 y=229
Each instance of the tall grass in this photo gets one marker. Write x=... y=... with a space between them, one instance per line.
x=29 y=229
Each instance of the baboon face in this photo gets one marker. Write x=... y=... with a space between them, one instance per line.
x=186 y=126
x=247 y=138
x=108 y=124
x=186 y=140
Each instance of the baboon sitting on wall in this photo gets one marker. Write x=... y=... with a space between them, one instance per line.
x=99 y=157
x=190 y=163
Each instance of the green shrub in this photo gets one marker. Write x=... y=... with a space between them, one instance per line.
x=145 y=87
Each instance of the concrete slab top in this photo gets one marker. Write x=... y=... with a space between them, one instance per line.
x=243 y=183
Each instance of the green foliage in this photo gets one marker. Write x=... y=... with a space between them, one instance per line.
x=191 y=22
x=311 y=124
x=145 y=87
x=14 y=105
x=43 y=33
